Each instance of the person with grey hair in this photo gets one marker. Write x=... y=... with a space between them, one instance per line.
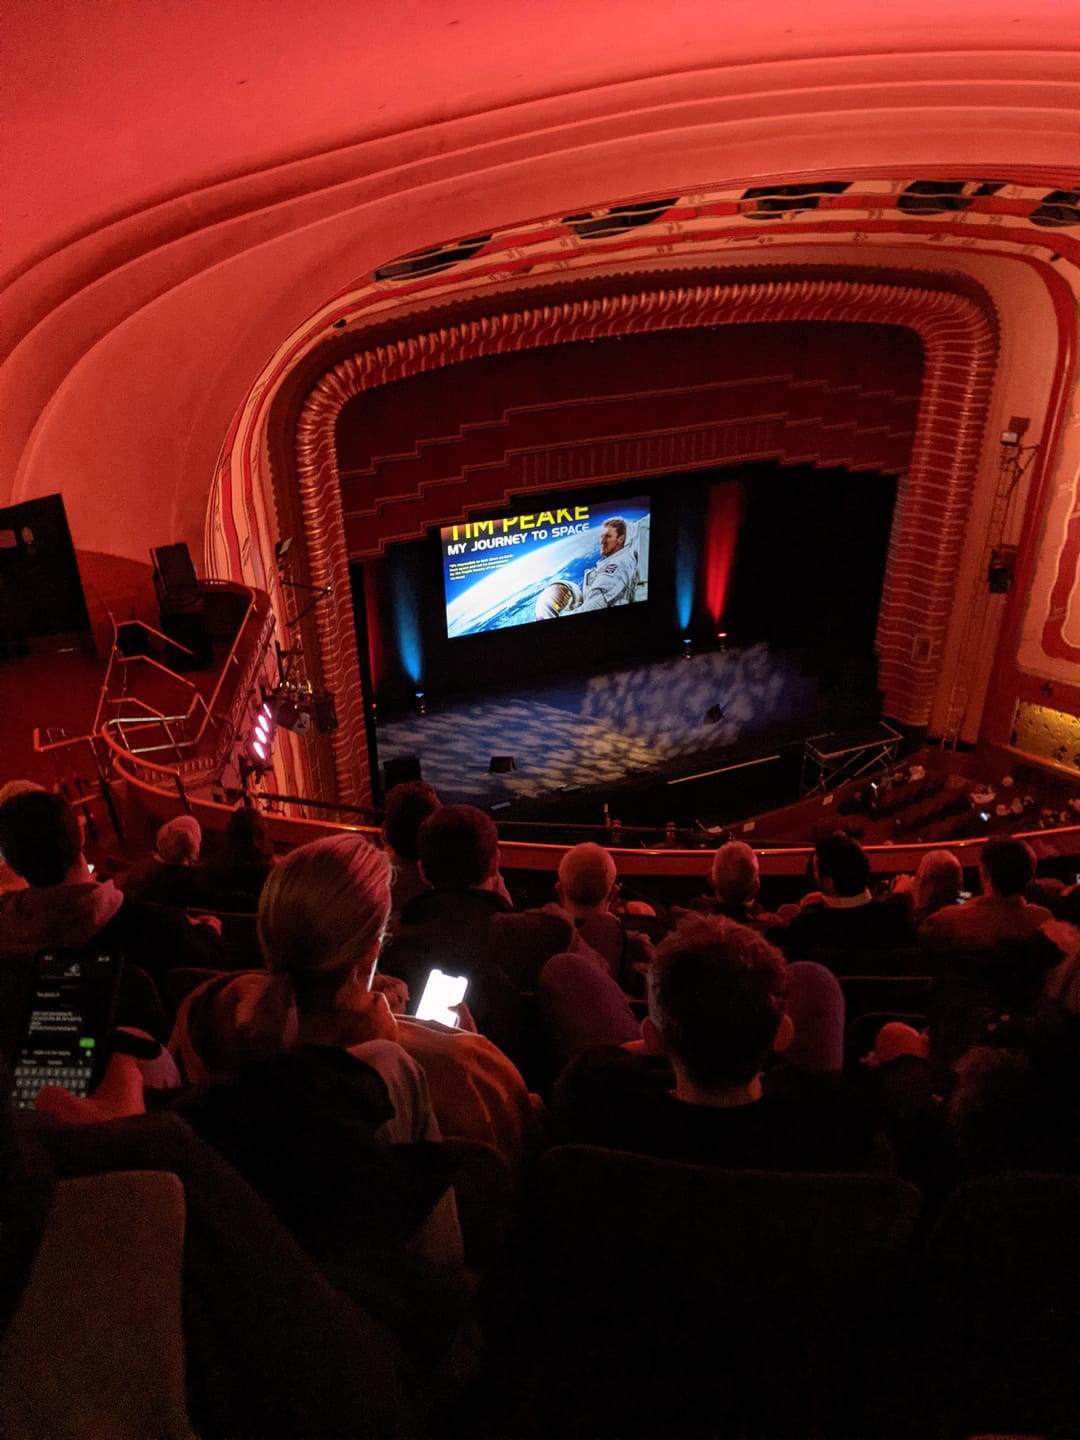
x=167 y=875
x=587 y=888
x=937 y=884
x=736 y=882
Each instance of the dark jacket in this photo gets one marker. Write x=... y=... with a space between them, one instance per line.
x=478 y=934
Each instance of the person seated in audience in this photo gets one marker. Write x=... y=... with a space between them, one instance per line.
x=847 y=917
x=587 y=888
x=464 y=925
x=164 y=877
x=701 y=1092
x=322 y=917
x=263 y=1342
x=1016 y=1101
x=736 y=883
x=407 y=807
x=1000 y=914
x=234 y=881
x=1061 y=986
x=65 y=907
x=935 y=885
x=322 y=1110
x=989 y=956
x=8 y=879
x=1046 y=890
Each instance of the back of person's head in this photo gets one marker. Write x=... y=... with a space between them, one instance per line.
x=179 y=840
x=459 y=847
x=247 y=840
x=938 y=882
x=18 y=787
x=734 y=873
x=407 y=807
x=1009 y=866
x=322 y=915
x=717 y=995
x=40 y=837
x=586 y=875
x=842 y=861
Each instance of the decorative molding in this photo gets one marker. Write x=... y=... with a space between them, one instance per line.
x=960 y=346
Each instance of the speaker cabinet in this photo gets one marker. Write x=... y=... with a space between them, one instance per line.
x=400 y=770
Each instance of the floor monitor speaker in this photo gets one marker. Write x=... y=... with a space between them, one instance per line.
x=401 y=770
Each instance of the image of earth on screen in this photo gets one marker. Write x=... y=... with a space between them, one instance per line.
x=545 y=565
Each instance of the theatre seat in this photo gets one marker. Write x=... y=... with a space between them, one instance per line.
x=719 y=1301
x=1003 y=1274
x=95 y=1350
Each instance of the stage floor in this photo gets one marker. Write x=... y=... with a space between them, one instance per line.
x=603 y=729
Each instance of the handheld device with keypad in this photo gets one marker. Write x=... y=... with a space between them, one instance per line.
x=71 y=1013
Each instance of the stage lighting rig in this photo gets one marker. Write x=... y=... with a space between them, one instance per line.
x=296 y=708
x=259 y=744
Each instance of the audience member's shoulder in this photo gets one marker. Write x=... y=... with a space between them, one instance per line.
x=477 y=1092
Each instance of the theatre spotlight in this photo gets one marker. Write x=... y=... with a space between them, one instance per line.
x=687 y=647
x=713 y=715
x=421 y=704
x=721 y=639
x=260 y=740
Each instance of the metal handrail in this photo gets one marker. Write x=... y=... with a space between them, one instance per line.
x=230 y=659
x=190 y=736
x=656 y=861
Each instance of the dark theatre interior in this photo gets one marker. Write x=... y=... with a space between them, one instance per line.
x=540 y=720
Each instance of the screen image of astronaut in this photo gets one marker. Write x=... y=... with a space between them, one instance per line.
x=547 y=564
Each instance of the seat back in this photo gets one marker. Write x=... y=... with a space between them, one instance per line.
x=900 y=994
x=96 y=1347
x=844 y=960
x=486 y=1202
x=693 y=1265
x=792 y=1232
x=1004 y=1285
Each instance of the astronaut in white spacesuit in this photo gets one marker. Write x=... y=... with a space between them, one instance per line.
x=611 y=581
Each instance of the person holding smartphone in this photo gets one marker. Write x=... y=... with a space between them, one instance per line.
x=64 y=907
x=322 y=917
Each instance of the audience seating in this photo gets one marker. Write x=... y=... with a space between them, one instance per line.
x=861 y=1033
x=685 y=1295
x=271 y=1346
x=98 y=1330
x=904 y=994
x=845 y=960
x=486 y=1202
x=239 y=936
x=182 y=981
x=1003 y=1286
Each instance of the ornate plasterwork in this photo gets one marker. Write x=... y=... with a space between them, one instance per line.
x=960 y=345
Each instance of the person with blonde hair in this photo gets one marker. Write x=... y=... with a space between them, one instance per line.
x=322 y=918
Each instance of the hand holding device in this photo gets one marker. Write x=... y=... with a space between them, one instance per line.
x=441 y=993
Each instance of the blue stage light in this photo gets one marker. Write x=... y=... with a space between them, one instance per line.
x=407 y=629
x=687 y=560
